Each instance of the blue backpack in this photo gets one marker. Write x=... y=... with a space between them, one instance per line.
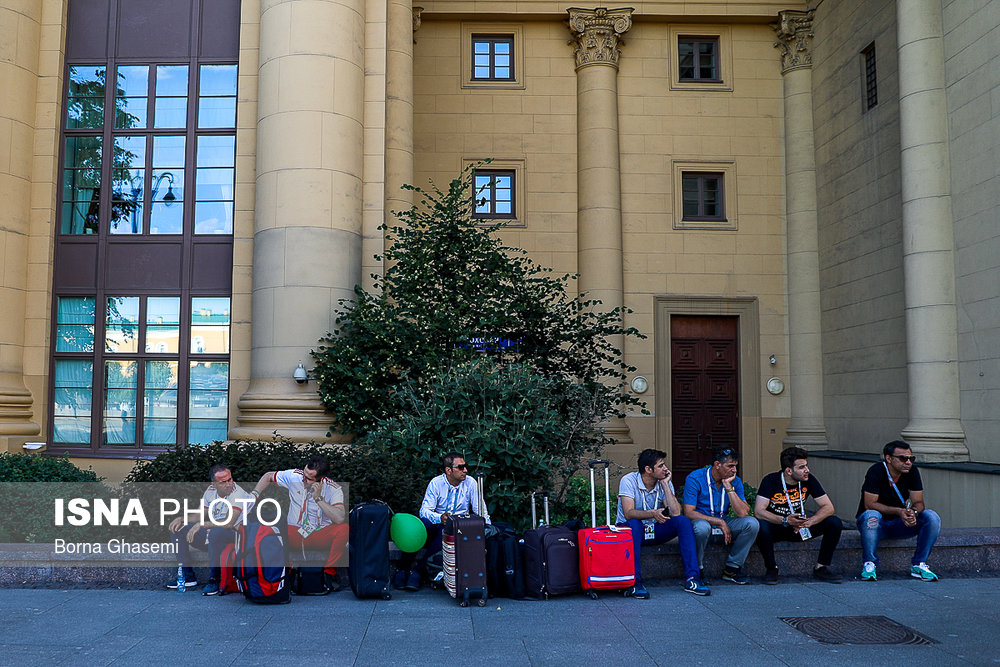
x=260 y=564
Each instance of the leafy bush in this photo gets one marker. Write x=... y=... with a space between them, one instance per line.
x=508 y=420
x=452 y=293
x=26 y=498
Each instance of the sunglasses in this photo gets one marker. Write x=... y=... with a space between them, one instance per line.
x=904 y=459
x=461 y=467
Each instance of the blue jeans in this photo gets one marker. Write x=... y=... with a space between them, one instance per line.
x=677 y=526
x=744 y=530
x=874 y=528
x=214 y=540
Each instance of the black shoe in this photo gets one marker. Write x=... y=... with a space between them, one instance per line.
x=823 y=573
x=735 y=576
x=703 y=578
x=771 y=576
x=331 y=582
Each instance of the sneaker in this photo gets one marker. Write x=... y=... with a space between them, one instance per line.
x=695 y=586
x=735 y=576
x=771 y=576
x=868 y=572
x=412 y=582
x=702 y=578
x=823 y=573
x=399 y=579
x=638 y=592
x=211 y=588
x=189 y=582
x=922 y=572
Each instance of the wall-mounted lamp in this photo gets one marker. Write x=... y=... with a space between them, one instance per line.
x=301 y=375
x=772 y=360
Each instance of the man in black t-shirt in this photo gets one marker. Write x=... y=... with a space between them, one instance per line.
x=781 y=510
x=892 y=506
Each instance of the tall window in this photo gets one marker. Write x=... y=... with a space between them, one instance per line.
x=703 y=196
x=871 y=76
x=142 y=277
x=494 y=193
x=492 y=58
x=698 y=58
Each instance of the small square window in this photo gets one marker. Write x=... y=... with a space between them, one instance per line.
x=492 y=58
x=698 y=59
x=494 y=193
x=871 y=76
x=703 y=196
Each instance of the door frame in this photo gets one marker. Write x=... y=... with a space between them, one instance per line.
x=746 y=310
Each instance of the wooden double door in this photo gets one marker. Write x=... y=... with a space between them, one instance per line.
x=704 y=389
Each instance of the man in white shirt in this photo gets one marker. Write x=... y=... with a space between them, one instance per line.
x=452 y=492
x=223 y=505
x=316 y=514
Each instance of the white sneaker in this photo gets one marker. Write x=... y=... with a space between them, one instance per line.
x=868 y=572
x=922 y=572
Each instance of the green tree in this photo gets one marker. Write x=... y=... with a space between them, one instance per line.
x=453 y=294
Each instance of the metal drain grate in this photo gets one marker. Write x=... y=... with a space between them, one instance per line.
x=856 y=630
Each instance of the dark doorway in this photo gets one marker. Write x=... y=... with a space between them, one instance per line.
x=704 y=389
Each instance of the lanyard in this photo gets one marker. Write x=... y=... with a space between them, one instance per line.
x=802 y=501
x=711 y=499
x=645 y=495
x=894 y=487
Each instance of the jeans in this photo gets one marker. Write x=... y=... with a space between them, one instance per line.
x=677 y=526
x=830 y=528
x=744 y=530
x=874 y=528
x=212 y=539
x=409 y=561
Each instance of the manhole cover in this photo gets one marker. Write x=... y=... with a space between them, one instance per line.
x=856 y=630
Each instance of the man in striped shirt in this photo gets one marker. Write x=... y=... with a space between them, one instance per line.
x=452 y=492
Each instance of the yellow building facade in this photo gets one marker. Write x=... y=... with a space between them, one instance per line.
x=690 y=161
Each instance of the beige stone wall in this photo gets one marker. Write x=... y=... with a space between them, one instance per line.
x=740 y=127
x=860 y=227
x=972 y=71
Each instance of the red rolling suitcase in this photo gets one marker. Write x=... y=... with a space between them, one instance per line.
x=463 y=556
x=607 y=560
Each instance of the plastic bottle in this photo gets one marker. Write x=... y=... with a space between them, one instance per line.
x=181 y=579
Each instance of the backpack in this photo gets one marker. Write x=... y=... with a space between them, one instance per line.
x=260 y=564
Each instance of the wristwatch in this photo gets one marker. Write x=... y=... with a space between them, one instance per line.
x=784 y=521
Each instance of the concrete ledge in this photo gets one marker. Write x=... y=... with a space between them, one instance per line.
x=958 y=550
x=966 y=551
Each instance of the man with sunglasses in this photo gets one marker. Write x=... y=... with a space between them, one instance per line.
x=892 y=507
x=452 y=492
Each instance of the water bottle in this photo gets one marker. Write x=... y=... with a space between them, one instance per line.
x=180 y=578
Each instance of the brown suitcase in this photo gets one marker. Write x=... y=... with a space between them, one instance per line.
x=463 y=556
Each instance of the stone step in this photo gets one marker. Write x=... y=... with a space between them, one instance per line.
x=959 y=551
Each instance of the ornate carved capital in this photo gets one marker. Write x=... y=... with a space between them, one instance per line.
x=596 y=34
x=794 y=32
x=416 y=22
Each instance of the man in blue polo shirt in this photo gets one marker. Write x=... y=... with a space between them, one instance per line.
x=709 y=493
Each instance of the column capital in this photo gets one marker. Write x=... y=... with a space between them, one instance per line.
x=794 y=33
x=416 y=21
x=596 y=34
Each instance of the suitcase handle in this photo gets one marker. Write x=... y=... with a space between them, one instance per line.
x=607 y=494
x=599 y=462
x=545 y=504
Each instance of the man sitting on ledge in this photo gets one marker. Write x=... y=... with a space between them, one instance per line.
x=780 y=509
x=892 y=506
x=647 y=505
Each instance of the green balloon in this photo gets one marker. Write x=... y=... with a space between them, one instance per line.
x=408 y=532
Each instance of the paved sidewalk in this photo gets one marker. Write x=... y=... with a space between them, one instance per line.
x=736 y=625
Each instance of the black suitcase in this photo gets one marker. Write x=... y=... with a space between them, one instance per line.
x=551 y=557
x=505 y=563
x=463 y=555
x=368 y=548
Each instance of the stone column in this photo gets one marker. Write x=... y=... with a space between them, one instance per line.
x=403 y=20
x=20 y=26
x=307 y=233
x=934 y=430
x=805 y=373
x=596 y=34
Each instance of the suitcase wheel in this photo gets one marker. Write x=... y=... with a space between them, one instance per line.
x=592 y=595
x=386 y=596
x=463 y=603
x=482 y=602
